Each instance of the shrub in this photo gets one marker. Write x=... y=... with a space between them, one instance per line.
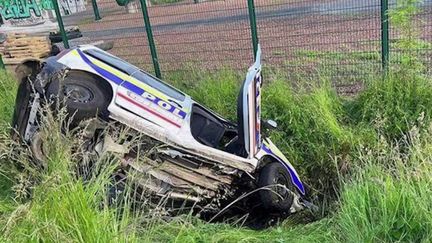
x=389 y=198
x=393 y=105
x=8 y=88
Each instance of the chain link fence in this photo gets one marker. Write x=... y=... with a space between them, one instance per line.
x=343 y=37
x=421 y=26
x=187 y=35
x=298 y=37
x=115 y=22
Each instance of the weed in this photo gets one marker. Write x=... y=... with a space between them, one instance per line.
x=387 y=199
x=368 y=159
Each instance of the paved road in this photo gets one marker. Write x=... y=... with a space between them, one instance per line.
x=334 y=7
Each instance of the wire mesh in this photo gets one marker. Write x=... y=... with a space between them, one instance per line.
x=307 y=37
x=121 y=25
x=299 y=37
x=208 y=35
x=420 y=28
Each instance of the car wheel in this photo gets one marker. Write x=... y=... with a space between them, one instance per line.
x=22 y=111
x=276 y=179
x=85 y=96
x=27 y=70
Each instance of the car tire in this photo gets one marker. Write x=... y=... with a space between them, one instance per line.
x=22 y=111
x=270 y=176
x=85 y=96
x=38 y=149
x=28 y=69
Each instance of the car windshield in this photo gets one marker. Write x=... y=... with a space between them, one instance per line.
x=137 y=73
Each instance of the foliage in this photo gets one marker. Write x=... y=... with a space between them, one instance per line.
x=8 y=88
x=389 y=199
x=368 y=158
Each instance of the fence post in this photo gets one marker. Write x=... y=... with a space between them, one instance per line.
x=253 y=25
x=2 y=65
x=96 y=10
x=385 y=49
x=60 y=23
x=150 y=38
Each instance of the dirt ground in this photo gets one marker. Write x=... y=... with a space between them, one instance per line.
x=294 y=34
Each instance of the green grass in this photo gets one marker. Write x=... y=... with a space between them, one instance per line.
x=389 y=199
x=395 y=104
x=8 y=87
x=367 y=159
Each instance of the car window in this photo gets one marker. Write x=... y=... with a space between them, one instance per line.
x=136 y=73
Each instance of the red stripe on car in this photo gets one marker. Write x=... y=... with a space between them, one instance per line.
x=147 y=109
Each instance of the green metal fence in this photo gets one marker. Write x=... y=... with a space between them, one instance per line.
x=422 y=27
x=349 y=37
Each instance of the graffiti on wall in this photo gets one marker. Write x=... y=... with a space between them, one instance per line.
x=25 y=12
x=19 y=9
x=72 y=6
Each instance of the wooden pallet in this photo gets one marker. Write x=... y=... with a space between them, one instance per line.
x=19 y=47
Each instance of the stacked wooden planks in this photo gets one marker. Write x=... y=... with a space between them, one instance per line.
x=18 y=47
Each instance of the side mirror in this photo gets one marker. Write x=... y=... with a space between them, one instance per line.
x=269 y=124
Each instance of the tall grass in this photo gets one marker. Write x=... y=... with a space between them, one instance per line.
x=367 y=158
x=63 y=207
x=389 y=197
x=394 y=105
x=386 y=198
x=8 y=88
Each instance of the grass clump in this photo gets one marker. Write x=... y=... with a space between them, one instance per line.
x=394 y=104
x=312 y=131
x=389 y=199
x=8 y=89
x=368 y=158
x=55 y=203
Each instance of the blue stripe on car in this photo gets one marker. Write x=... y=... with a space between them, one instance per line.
x=294 y=177
x=110 y=76
x=132 y=87
x=100 y=70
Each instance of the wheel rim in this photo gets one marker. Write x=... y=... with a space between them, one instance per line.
x=78 y=93
x=38 y=149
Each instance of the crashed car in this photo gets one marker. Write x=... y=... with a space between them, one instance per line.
x=205 y=158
